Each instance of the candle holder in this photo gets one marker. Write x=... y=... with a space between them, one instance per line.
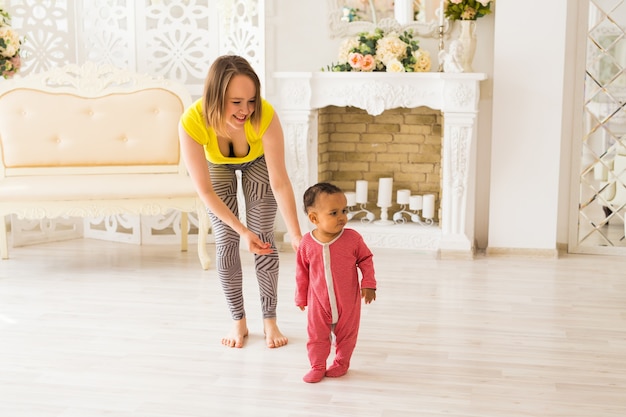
x=398 y=217
x=444 y=25
x=384 y=218
x=441 y=45
x=368 y=215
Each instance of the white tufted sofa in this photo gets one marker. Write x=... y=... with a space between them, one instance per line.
x=93 y=141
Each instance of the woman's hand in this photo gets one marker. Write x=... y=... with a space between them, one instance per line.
x=295 y=242
x=256 y=245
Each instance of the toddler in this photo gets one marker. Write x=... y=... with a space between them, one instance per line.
x=327 y=281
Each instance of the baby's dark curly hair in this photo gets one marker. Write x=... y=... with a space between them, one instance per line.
x=311 y=194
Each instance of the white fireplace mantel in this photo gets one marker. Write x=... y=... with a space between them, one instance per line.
x=301 y=94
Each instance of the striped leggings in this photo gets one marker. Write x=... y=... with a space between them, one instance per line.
x=260 y=215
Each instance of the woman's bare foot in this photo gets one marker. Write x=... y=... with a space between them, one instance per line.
x=273 y=337
x=237 y=334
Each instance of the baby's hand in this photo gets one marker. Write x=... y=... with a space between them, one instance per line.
x=301 y=308
x=368 y=294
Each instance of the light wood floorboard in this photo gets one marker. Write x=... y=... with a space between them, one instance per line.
x=94 y=329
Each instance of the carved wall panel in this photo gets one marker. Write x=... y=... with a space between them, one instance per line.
x=598 y=224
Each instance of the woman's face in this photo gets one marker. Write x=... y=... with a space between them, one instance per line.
x=240 y=101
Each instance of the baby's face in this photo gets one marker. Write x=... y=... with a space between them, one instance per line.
x=331 y=213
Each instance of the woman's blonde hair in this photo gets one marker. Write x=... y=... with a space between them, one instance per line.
x=219 y=76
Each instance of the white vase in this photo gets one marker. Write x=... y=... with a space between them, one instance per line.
x=467 y=39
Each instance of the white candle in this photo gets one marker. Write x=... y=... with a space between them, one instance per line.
x=361 y=191
x=402 y=196
x=403 y=11
x=441 y=18
x=415 y=202
x=428 y=209
x=351 y=197
x=385 y=190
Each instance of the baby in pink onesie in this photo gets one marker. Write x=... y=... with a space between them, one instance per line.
x=327 y=281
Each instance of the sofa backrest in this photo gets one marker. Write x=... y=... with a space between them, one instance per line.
x=90 y=119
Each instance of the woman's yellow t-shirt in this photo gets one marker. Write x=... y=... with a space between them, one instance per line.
x=194 y=124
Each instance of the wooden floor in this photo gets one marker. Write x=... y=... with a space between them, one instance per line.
x=93 y=329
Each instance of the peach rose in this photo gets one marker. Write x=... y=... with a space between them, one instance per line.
x=368 y=63
x=355 y=59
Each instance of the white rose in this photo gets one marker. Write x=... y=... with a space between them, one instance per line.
x=390 y=47
x=345 y=47
x=395 y=66
x=11 y=40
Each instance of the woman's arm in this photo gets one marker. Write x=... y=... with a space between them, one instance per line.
x=274 y=148
x=195 y=160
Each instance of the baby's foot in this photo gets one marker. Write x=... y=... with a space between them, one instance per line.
x=316 y=374
x=336 y=370
x=237 y=335
x=273 y=337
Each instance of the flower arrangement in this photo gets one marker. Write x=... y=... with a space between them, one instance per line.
x=10 y=43
x=380 y=51
x=466 y=9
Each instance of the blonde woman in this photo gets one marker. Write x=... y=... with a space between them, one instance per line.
x=231 y=128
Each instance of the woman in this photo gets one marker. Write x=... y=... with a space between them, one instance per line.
x=234 y=129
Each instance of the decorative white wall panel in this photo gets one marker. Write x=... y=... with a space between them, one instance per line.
x=117 y=228
x=26 y=231
x=178 y=40
x=243 y=28
x=50 y=31
x=107 y=32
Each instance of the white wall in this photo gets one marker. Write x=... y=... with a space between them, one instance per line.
x=572 y=121
x=302 y=34
x=529 y=69
x=483 y=62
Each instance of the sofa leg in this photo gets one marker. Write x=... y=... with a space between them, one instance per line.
x=4 y=244
x=184 y=232
x=203 y=231
x=607 y=211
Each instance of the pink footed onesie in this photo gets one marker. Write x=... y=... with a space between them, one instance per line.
x=327 y=281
